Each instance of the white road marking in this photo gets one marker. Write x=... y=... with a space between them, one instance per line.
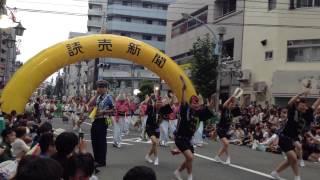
x=131 y=139
x=139 y=140
x=237 y=167
x=89 y=124
x=123 y=143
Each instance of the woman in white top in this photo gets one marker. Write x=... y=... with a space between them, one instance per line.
x=78 y=116
x=19 y=147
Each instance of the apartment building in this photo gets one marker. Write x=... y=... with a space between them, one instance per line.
x=75 y=76
x=275 y=41
x=183 y=32
x=144 y=20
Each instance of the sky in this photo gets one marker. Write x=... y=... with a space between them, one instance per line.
x=46 y=29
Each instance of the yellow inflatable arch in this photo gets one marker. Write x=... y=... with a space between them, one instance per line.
x=24 y=82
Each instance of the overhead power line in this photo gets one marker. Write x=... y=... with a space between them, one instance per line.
x=276 y=10
x=293 y=16
x=270 y=25
x=226 y=24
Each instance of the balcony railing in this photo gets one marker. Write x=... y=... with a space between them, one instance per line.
x=94 y=23
x=136 y=27
x=95 y=12
x=136 y=11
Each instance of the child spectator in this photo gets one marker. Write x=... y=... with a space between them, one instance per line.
x=8 y=137
x=45 y=127
x=47 y=145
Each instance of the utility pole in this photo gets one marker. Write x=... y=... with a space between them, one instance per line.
x=79 y=78
x=221 y=32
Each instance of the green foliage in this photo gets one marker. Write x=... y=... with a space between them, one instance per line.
x=58 y=89
x=49 y=91
x=204 y=66
x=146 y=87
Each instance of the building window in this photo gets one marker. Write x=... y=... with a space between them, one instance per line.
x=125 y=34
x=184 y=25
x=126 y=19
x=272 y=4
x=269 y=55
x=164 y=7
x=308 y=3
x=162 y=23
x=109 y=18
x=148 y=21
x=127 y=3
x=225 y=7
x=304 y=50
x=192 y=23
x=228 y=48
x=161 y=38
x=146 y=37
x=203 y=17
x=110 y=2
x=146 y=5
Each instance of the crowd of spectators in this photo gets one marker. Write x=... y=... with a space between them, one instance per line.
x=32 y=150
x=26 y=143
x=258 y=127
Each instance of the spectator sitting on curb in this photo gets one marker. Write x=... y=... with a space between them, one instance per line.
x=37 y=168
x=80 y=167
x=140 y=173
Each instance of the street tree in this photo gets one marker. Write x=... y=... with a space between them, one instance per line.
x=49 y=90
x=146 y=87
x=58 y=89
x=204 y=66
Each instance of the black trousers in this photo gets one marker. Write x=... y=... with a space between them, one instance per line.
x=99 y=140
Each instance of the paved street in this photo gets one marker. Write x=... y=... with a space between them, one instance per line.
x=246 y=163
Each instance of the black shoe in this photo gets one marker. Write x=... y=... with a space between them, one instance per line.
x=97 y=165
x=96 y=171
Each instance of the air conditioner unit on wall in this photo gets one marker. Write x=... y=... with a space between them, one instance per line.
x=245 y=75
x=260 y=86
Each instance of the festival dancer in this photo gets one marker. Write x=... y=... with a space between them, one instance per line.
x=186 y=128
x=296 y=124
x=164 y=125
x=224 y=125
x=121 y=111
x=144 y=117
x=152 y=127
x=173 y=122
